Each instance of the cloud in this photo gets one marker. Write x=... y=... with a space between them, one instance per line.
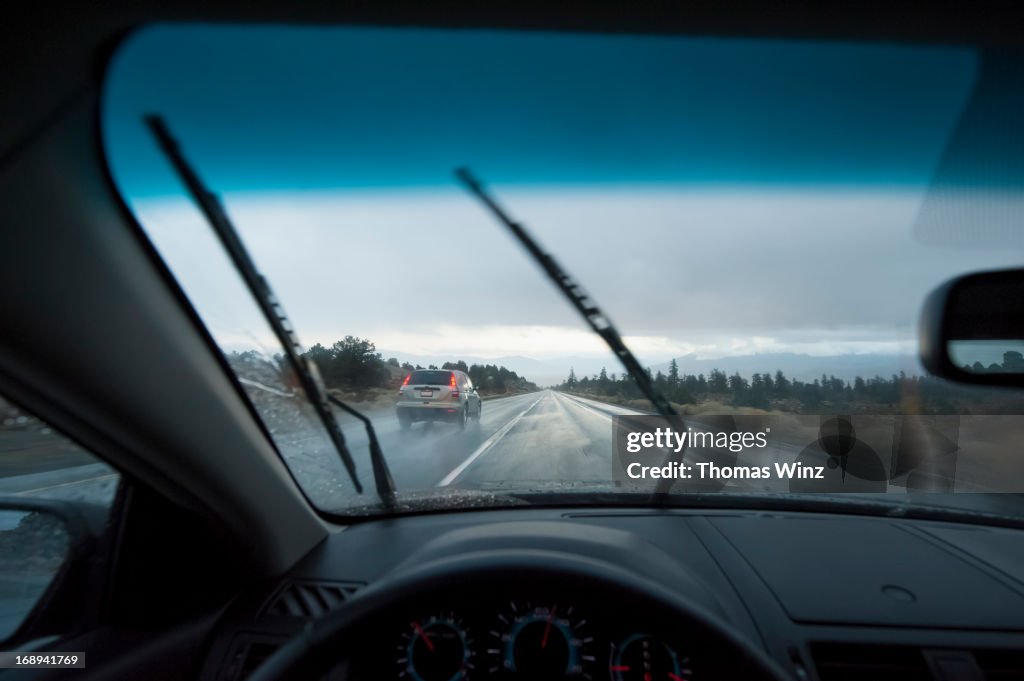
x=680 y=271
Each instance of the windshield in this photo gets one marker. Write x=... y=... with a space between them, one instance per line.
x=762 y=220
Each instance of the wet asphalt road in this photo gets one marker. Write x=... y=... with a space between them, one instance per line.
x=540 y=441
x=541 y=436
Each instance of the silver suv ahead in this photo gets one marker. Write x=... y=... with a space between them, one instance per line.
x=437 y=395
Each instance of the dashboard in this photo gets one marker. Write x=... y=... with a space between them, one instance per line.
x=610 y=594
x=537 y=631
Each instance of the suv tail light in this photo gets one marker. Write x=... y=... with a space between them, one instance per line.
x=401 y=388
x=455 y=387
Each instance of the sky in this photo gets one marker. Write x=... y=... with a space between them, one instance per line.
x=717 y=197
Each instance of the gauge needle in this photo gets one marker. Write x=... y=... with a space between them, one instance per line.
x=675 y=677
x=423 y=635
x=547 y=629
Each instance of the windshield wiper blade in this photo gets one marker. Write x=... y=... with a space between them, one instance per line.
x=306 y=370
x=586 y=306
x=381 y=473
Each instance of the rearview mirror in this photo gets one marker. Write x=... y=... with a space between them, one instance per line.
x=972 y=329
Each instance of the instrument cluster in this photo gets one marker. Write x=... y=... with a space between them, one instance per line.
x=541 y=640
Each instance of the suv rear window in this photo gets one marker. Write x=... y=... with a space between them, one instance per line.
x=430 y=377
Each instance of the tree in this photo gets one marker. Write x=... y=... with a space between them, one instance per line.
x=738 y=387
x=758 y=394
x=320 y=356
x=717 y=382
x=673 y=375
x=782 y=384
x=660 y=382
x=812 y=394
x=356 y=363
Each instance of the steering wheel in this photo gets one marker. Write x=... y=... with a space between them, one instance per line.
x=326 y=642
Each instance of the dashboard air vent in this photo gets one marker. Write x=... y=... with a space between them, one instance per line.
x=857 y=662
x=310 y=600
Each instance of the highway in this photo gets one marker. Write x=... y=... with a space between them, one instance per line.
x=541 y=441
x=536 y=438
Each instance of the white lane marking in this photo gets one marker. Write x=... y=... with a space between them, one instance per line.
x=487 y=444
x=66 y=484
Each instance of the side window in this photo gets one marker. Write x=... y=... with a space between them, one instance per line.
x=38 y=464
x=37 y=461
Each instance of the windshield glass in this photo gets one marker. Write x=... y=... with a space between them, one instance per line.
x=761 y=219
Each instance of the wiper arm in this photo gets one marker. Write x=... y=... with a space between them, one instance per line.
x=597 y=320
x=381 y=473
x=586 y=306
x=305 y=369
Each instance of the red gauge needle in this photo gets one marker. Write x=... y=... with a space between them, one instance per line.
x=423 y=635
x=621 y=668
x=547 y=629
x=675 y=677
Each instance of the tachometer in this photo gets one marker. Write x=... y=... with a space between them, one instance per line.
x=645 y=658
x=540 y=642
x=435 y=649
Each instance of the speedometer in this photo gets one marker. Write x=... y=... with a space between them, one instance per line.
x=541 y=642
x=435 y=648
x=645 y=658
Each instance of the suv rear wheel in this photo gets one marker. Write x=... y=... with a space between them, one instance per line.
x=461 y=418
